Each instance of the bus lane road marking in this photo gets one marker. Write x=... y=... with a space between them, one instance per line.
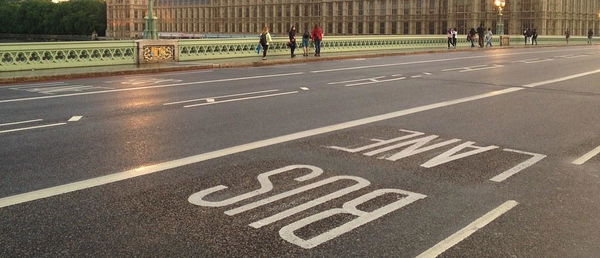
x=413 y=143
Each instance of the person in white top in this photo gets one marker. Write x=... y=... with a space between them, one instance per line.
x=488 y=38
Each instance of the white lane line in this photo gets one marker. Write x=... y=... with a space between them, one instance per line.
x=374 y=81
x=481 y=68
x=240 y=99
x=304 y=88
x=587 y=156
x=467 y=231
x=75 y=118
x=536 y=84
x=209 y=100
x=508 y=173
x=357 y=80
x=463 y=68
x=116 y=177
x=539 y=61
x=441 y=60
x=217 y=97
x=427 y=73
x=575 y=56
x=22 y=122
x=416 y=76
x=151 y=87
x=32 y=127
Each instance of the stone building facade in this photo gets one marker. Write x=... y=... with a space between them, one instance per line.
x=351 y=17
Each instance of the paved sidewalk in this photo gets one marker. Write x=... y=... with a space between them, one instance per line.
x=96 y=71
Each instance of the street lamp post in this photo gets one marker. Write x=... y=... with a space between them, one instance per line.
x=150 y=31
x=500 y=25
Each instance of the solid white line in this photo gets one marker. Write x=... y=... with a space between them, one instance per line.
x=357 y=80
x=32 y=127
x=536 y=84
x=539 y=61
x=587 y=156
x=240 y=99
x=442 y=60
x=22 y=122
x=150 y=87
x=508 y=173
x=462 y=234
x=116 y=177
x=75 y=119
x=111 y=178
x=225 y=96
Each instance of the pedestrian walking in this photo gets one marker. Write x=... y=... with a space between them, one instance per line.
x=567 y=36
x=454 y=37
x=590 y=35
x=305 y=41
x=292 y=43
x=317 y=37
x=534 y=36
x=471 y=37
x=488 y=38
x=480 y=34
x=265 y=40
x=526 y=35
x=449 y=36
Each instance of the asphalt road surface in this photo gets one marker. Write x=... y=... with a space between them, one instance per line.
x=465 y=154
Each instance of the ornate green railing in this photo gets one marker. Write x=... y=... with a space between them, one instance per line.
x=28 y=56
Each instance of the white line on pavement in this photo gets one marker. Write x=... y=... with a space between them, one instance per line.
x=151 y=87
x=116 y=177
x=304 y=88
x=217 y=97
x=32 y=127
x=357 y=80
x=441 y=60
x=536 y=84
x=587 y=156
x=22 y=122
x=375 y=81
x=463 y=68
x=25 y=86
x=75 y=118
x=462 y=234
x=508 y=173
x=482 y=68
x=240 y=99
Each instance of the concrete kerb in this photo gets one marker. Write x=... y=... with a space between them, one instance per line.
x=4 y=81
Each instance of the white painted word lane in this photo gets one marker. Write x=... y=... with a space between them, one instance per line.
x=412 y=143
x=288 y=232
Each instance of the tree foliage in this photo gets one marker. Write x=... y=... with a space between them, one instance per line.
x=75 y=17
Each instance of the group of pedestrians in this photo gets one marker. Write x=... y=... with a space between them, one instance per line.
x=531 y=36
x=483 y=37
x=316 y=36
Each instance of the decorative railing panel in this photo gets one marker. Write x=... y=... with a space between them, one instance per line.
x=31 y=56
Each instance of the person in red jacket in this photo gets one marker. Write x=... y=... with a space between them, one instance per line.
x=317 y=37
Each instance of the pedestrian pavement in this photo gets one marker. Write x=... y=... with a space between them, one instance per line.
x=96 y=71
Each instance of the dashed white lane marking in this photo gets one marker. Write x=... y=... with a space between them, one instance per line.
x=357 y=80
x=22 y=122
x=465 y=232
x=116 y=177
x=416 y=76
x=31 y=128
x=240 y=99
x=217 y=97
x=508 y=173
x=441 y=60
x=75 y=118
x=304 y=88
x=372 y=81
x=463 y=68
x=587 y=156
x=427 y=73
x=209 y=100
x=150 y=87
